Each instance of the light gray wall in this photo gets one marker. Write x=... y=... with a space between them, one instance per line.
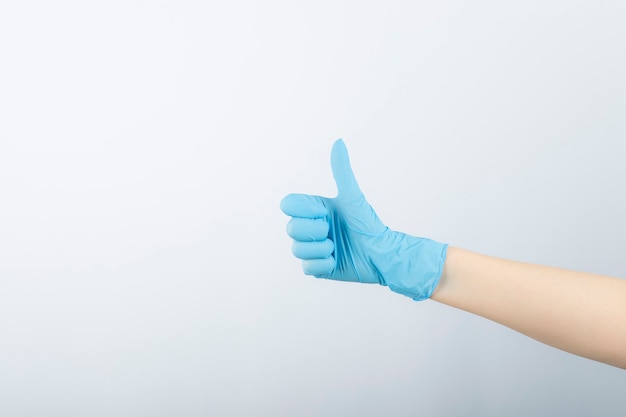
x=145 y=146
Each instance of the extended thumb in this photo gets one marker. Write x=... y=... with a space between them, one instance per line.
x=340 y=164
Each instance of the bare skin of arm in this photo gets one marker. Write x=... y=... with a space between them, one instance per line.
x=581 y=313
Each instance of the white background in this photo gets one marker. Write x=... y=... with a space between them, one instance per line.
x=144 y=149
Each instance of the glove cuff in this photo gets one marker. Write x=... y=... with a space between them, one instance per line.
x=418 y=272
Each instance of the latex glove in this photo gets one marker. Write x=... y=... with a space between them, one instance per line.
x=343 y=239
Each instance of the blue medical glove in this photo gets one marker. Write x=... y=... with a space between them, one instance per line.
x=343 y=239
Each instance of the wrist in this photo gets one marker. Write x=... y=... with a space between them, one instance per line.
x=443 y=288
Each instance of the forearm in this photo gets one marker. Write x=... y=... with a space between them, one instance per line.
x=581 y=313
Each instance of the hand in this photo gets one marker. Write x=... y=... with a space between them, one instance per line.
x=343 y=239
